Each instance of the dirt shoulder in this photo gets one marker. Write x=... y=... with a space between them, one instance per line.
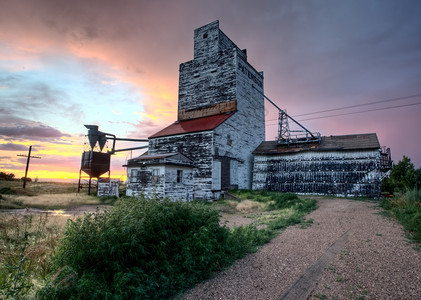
x=349 y=252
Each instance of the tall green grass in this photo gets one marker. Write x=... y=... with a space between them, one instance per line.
x=26 y=245
x=406 y=208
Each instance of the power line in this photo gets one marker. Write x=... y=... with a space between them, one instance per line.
x=357 y=112
x=359 y=105
x=362 y=111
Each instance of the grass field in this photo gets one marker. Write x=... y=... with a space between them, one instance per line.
x=36 y=188
x=43 y=195
x=29 y=240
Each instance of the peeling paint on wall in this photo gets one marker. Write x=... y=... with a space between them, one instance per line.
x=339 y=173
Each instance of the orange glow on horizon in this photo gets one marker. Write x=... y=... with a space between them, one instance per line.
x=59 y=175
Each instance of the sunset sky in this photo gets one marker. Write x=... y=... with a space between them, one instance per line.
x=115 y=64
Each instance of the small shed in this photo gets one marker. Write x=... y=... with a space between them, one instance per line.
x=108 y=187
x=168 y=175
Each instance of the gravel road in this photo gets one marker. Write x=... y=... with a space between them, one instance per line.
x=349 y=252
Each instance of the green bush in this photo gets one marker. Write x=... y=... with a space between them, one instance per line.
x=403 y=177
x=145 y=249
x=406 y=208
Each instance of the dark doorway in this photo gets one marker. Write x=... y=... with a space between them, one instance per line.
x=225 y=173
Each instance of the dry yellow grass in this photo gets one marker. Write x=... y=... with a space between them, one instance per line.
x=248 y=206
x=37 y=188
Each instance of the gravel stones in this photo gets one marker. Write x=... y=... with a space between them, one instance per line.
x=375 y=262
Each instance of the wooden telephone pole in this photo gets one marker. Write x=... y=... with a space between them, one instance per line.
x=27 y=163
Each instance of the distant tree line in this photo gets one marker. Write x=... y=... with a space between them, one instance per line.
x=7 y=176
x=403 y=177
x=11 y=177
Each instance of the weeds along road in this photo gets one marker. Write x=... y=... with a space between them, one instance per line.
x=349 y=252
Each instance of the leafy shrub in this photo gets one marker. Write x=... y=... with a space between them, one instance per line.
x=403 y=177
x=406 y=208
x=145 y=249
x=152 y=249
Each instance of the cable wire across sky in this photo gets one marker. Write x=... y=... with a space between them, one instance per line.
x=359 y=112
x=359 y=105
x=354 y=106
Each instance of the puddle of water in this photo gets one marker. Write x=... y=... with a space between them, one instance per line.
x=28 y=211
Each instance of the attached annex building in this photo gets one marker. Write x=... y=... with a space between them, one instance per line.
x=346 y=165
x=217 y=142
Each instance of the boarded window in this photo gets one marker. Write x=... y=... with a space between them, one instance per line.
x=179 y=176
x=155 y=176
x=133 y=175
x=142 y=177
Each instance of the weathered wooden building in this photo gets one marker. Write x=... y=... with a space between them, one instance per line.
x=162 y=175
x=220 y=123
x=217 y=142
x=346 y=165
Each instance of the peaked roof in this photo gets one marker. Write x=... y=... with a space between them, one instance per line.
x=328 y=143
x=171 y=158
x=195 y=125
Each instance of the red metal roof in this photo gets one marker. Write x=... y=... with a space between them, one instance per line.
x=188 y=126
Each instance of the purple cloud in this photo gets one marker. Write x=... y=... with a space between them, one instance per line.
x=33 y=132
x=13 y=147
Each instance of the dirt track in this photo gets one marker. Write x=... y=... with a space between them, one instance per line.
x=349 y=252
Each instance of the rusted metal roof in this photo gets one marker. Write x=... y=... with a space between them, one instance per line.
x=328 y=143
x=196 y=125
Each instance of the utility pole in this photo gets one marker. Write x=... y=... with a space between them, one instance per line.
x=27 y=163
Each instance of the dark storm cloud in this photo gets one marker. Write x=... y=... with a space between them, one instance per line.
x=32 y=132
x=13 y=147
x=16 y=128
x=332 y=49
